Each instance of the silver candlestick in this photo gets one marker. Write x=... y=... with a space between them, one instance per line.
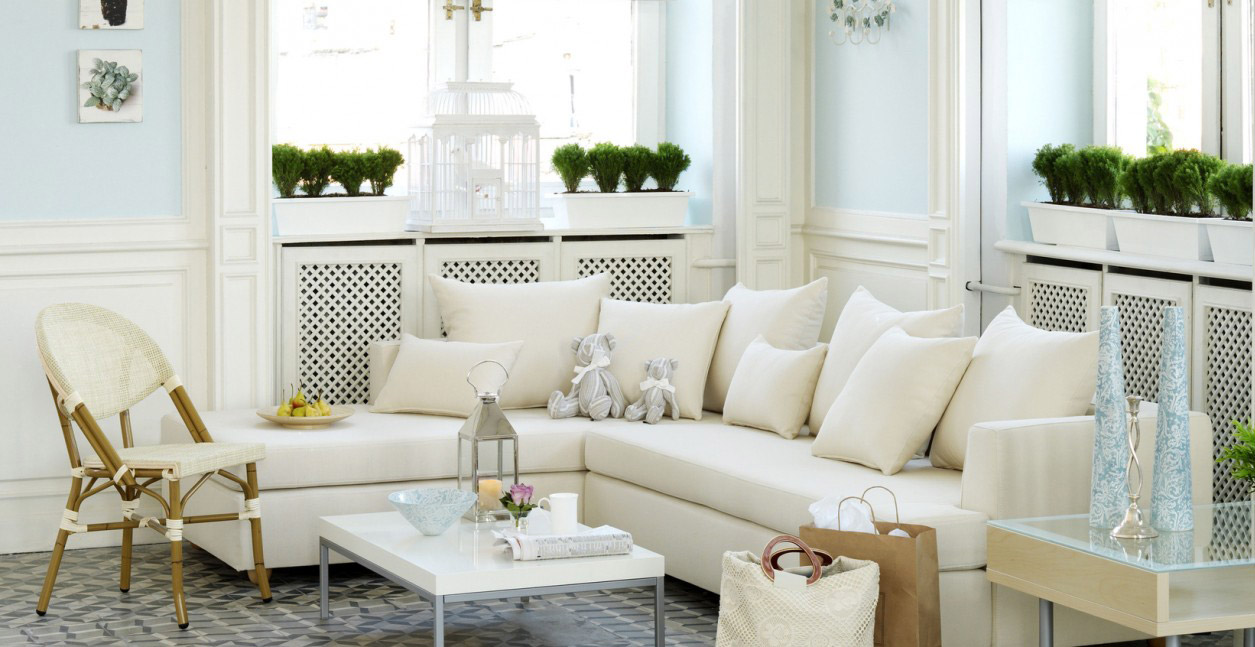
x=1134 y=525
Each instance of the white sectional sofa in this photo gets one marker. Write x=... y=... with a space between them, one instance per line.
x=690 y=490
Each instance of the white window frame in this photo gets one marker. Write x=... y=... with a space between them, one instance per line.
x=648 y=88
x=1226 y=86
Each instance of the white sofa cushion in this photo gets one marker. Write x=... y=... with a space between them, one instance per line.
x=771 y=481
x=546 y=316
x=772 y=387
x=378 y=447
x=863 y=320
x=685 y=332
x=380 y=356
x=429 y=375
x=893 y=400
x=788 y=319
x=1017 y=372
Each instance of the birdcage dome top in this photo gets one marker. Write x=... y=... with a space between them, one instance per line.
x=478 y=98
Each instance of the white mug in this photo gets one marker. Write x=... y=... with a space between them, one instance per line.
x=563 y=510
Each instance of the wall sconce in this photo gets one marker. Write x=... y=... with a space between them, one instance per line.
x=859 y=21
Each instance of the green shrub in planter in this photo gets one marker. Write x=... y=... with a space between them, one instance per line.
x=1232 y=188
x=1098 y=170
x=286 y=164
x=382 y=165
x=1173 y=184
x=571 y=163
x=350 y=170
x=1045 y=165
x=637 y=161
x=605 y=163
x=316 y=170
x=1070 y=177
x=669 y=161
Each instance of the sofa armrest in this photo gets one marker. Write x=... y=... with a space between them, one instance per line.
x=1036 y=468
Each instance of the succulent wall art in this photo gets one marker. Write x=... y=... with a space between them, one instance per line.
x=111 y=14
x=110 y=85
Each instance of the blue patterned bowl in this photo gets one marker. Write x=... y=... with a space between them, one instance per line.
x=432 y=510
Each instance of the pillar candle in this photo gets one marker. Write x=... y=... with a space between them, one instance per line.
x=489 y=494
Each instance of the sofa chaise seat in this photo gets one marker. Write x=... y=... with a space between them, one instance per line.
x=764 y=479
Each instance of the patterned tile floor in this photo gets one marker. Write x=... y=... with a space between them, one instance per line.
x=87 y=609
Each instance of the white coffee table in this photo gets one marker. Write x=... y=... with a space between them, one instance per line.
x=462 y=565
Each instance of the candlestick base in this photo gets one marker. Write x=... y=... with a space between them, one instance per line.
x=1134 y=525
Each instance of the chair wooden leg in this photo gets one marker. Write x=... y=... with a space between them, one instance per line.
x=124 y=582
x=262 y=574
x=176 y=557
x=50 y=578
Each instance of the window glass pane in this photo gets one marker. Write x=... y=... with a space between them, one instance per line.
x=573 y=60
x=1158 y=74
x=348 y=73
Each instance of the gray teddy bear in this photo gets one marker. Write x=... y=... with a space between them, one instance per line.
x=594 y=390
x=657 y=393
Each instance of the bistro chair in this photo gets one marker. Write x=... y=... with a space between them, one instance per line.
x=100 y=364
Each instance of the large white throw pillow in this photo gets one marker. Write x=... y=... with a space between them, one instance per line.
x=429 y=375
x=1018 y=372
x=863 y=320
x=787 y=319
x=893 y=399
x=772 y=387
x=546 y=316
x=681 y=331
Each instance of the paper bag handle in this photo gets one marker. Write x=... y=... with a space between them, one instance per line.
x=897 y=514
x=769 y=564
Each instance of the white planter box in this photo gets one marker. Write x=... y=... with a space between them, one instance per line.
x=1231 y=240
x=1059 y=224
x=367 y=214
x=615 y=210
x=1167 y=236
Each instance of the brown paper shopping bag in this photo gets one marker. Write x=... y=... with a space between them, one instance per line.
x=909 y=610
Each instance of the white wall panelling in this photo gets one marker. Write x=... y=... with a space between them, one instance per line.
x=771 y=75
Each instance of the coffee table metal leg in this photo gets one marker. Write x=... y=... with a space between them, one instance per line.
x=1172 y=641
x=660 y=615
x=438 y=606
x=323 y=612
x=1045 y=623
x=1248 y=638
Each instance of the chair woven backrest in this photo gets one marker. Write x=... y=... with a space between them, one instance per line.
x=104 y=358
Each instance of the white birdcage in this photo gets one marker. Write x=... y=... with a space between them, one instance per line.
x=475 y=161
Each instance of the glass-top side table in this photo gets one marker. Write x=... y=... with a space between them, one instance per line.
x=1175 y=584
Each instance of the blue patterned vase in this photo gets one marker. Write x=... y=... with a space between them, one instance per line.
x=1171 y=501
x=1109 y=490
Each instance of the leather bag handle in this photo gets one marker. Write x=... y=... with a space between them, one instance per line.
x=768 y=563
x=825 y=559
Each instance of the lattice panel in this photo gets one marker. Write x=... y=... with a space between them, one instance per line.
x=1227 y=385
x=341 y=309
x=1056 y=306
x=1141 y=337
x=638 y=278
x=506 y=270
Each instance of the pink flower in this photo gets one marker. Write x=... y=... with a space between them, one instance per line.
x=521 y=494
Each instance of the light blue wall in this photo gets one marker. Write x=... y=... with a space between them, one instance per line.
x=871 y=115
x=51 y=166
x=1050 y=91
x=690 y=97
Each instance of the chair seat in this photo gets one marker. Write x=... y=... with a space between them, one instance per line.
x=186 y=459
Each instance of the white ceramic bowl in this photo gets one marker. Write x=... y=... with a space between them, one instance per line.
x=432 y=510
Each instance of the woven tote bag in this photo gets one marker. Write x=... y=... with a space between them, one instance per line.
x=834 y=606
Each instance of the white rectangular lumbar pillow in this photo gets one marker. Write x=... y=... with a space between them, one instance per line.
x=685 y=332
x=863 y=320
x=429 y=375
x=1018 y=372
x=545 y=316
x=787 y=319
x=772 y=387
x=893 y=399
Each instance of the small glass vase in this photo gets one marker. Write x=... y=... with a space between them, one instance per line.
x=520 y=523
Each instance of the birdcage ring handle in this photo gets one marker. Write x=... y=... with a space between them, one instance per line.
x=471 y=371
